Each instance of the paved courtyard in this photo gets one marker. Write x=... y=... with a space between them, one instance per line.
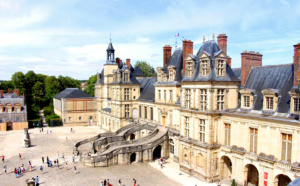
x=44 y=144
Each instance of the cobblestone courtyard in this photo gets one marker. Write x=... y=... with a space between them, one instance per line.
x=44 y=144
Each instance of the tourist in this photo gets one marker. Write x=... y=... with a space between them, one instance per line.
x=66 y=138
x=47 y=159
x=74 y=169
x=43 y=160
x=120 y=182
x=57 y=154
x=20 y=157
x=71 y=130
x=63 y=156
x=42 y=129
x=134 y=182
x=101 y=184
x=107 y=181
x=66 y=166
x=104 y=182
x=20 y=171
x=57 y=163
x=30 y=167
x=23 y=168
x=164 y=158
x=37 y=181
x=3 y=157
x=161 y=164
x=50 y=163
x=5 y=169
x=16 y=172
x=29 y=163
x=219 y=183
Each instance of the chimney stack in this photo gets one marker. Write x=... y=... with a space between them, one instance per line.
x=9 y=91
x=296 y=62
x=229 y=61
x=1 y=93
x=118 y=61
x=187 y=46
x=23 y=100
x=167 y=54
x=128 y=63
x=222 y=42
x=16 y=91
x=249 y=60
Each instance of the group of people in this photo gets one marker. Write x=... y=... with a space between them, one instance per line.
x=106 y=182
x=19 y=171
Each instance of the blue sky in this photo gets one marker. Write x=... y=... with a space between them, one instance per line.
x=70 y=37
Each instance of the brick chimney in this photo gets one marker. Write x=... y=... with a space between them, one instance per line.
x=1 y=93
x=16 y=91
x=222 y=42
x=118 y=61
x=167 y=54
x=128 y=63
x=249 y=60
x=9 y=91
x=23 y=100
x=296 y=62
x=187 y=46
x=229 y=60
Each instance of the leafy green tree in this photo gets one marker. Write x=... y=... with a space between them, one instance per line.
x=38 y=93
x=90 y=87
x=146 y=68
x=18 y=81
x=52 y=87
x=5 y=85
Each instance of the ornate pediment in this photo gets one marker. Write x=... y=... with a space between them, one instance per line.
x=203 y=55
x=221 y=54
x=247 y=91
x=270 y=91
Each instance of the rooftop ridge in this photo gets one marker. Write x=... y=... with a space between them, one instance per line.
x=268 y=66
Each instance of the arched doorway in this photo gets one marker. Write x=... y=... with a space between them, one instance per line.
x=132 y=157
x=132 y=136
x=251 y=174
x=134 y=113
x=9 y=125
x=157 y=152
x=225 y=167
x=282 y=180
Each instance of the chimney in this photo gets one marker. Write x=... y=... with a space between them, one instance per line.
x=187 y=46
x=128 y=63
x=16 y=91
x=249 y=60
x=1 y=93
x=9 y=91
x=229 y=60
x=222 y=42
x=118 y=61
x=296 y=62
x=167 y=54
x=23 y=100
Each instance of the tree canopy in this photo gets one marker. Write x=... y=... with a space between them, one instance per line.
x=146 y=68
x=90 y=87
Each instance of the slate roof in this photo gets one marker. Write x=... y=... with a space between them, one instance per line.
x=271 y=77
x=13 y=101
x=147 y=90
x=175 y=60
x=133 y=80
x=110 y=47
x=72 y=93
x=237 y=72
x=212 y=50
x=138 y=71
x=107 y=109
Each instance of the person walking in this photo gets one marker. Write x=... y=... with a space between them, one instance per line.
x=120 y=182
x=5 y=169
x=37 y=183
x=3 y=157
x=104 y=182
x=29 y=163
x=57 y=154
x=20 y=157
x=43 y=159
x=23 y=167
x=57 y=163
x=73 y=159
x=16 y=172
x=74 y=169
x=63 y=156
x=134 y=182
x=47 y=159
x=66 y=166
x=41 y=168
x=219 y=183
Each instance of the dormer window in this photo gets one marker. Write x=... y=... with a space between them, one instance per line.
x=171 y=76
x=126 y=76
x=296 y=104
x=172 y=72
x=270 y=99
x=295 y=101
x=246 y=101
x=221 y=70
x=269 y=103
x=165 y=78
x=204 y=67
x=190 y=69
x=118 y=76
x=247 y=98
x=159 y=74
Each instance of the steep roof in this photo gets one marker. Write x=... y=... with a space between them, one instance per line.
x=138 y=71
x=278 y=77
x=176 y=61
x=147 y=90
x=110 y=47
x=133 y=80
x=72 y=93
x=237 y=72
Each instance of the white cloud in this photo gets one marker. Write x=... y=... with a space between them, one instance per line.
x=142 y=40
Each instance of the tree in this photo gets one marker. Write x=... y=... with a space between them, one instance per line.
x=5 y=85
x=90 y=87
x=146 y=68
x=18 y=81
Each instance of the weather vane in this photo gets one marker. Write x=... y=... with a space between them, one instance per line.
x=203 y=38
x=213 y=36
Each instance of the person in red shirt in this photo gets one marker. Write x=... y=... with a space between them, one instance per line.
x=20 y=157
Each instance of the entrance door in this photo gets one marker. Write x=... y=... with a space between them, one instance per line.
x=157 y=153
x=9 y=125
x=91 y=120
x=132 y=157
x=164 y=120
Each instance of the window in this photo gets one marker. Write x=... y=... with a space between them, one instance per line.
x=171 y=95
x=220 y=68
x=8 y=110
x=126 y=111
x=204 y=65
x=246 y=101
x=190 y=69
x=253 y=140
x=126 y=94
x=171 y=117
x=159 y=117
x=126 y=77
x=187 y=127
x=70 y=119
x=165 y=95
x=171 y=146
x=203 y=98
x=269 y=103
x=145 y=112
x=202 y=130
x=220 y=99
x=18 y=110
x=296 y=104
x=79 y=118
x=151 y=113
x=140 y=109
x=171 y=77
x=227 y=134
x=286 y=150
x=188 y=98
x=159 y=95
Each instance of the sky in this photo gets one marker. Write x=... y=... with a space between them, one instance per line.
x=70 y=37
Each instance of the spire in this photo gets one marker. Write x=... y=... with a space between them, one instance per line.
x=110 y=51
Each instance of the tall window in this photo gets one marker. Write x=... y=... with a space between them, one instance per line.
x=202 y=130
x=203 y=98
x=187 y=127
x=151 y=113
x=126 y=111
x=140 y=109
x=286 y=150
x=253 y=140
x=269 y=103
x=171 y=77
x=221 y=99
x=204 y=65
x=159 y=94
x=165 y=95
x=171 y=146
x=220 y=68
x=190 y=69
x=246 y=101
x=296 y=104
x=145 y=112
x=171 y=95
x=171 y=117
x=188 y=98
x=126 y=77
x=227 y=134
x=126 y=94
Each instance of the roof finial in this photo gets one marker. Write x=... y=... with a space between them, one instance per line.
x=213 y=36
x=203 y=38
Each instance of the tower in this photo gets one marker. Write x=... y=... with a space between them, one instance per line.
x=110 y=52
